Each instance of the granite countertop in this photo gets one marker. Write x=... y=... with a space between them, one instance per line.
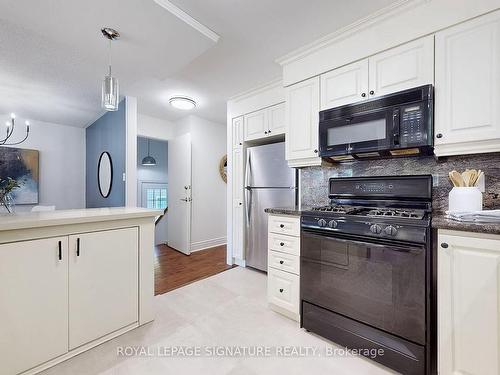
x=292 y=211
x=440 y=221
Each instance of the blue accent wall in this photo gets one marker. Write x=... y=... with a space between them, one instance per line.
x=108 y=133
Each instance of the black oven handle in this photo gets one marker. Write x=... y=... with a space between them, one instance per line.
x=380 y=244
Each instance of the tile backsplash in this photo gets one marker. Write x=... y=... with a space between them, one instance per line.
x=314 y=180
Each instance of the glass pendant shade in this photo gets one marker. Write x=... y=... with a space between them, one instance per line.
x=110 y=93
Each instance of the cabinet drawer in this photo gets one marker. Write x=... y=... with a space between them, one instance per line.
x=284 y=243
x=284 y=225
x=284 y=262
x=283 y=290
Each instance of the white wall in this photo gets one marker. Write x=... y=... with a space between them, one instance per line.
x=152 y=127
x=208 y=221
x=208 y=224
x=62 y=163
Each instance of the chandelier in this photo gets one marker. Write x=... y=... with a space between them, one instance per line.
x=10 y=125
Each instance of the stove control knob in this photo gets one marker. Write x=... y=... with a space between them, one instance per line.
x=390 y=230
x=322 y=222
x=332 y=224
x=375 y=228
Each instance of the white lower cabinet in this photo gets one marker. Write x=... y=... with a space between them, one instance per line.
x=283 y=273
x=33 y=303
x=57 y=294
x=468 y=303
x=103 y=283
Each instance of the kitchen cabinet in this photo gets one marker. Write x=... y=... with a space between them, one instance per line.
x=237 y=132
x=467 y=115
x=400 y=68
x=404 y=67
x=34 y=302
x=238 y=225
x=264 y=123
x=256 y=125
x=283 y=273
x=301 y=120
x=276 y=117
x=237 y=173
x=103 y=283
x=468 y=300
x=345 y=85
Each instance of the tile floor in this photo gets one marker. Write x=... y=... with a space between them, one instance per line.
x=228 y=309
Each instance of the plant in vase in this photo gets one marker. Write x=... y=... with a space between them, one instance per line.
x=6 y=188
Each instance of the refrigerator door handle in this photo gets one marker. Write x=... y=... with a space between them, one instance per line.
x=248 y=192
x=248 y=170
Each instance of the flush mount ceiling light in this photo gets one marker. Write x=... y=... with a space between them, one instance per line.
x=182 y=102
x=110 y=89
x=148 y=160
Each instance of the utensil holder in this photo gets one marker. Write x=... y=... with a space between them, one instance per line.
x=465 y=199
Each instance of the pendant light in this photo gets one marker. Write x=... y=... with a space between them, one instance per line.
x=110 y=89
x=149 y=160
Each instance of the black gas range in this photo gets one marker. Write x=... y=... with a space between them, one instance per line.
x=366 y=269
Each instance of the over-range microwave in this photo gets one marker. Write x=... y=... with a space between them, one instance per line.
x=398 y=124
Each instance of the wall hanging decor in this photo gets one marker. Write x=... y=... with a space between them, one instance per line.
x=21 y=165
x=223 y=168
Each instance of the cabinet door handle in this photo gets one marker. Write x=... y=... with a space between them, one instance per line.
x=316 y=151
x=372 y=92
x=281 y=290
x=363 y=95
x=60 y=250
x=282 y=226
x=281 y=262
x=78 y=247
x=282 y=244
x=269 y=132
x=265 y=132
x=439 y=135
x=444 y=245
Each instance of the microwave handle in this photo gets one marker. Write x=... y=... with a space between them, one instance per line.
x=395 y=127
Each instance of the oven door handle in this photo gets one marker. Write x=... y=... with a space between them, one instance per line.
x=395 y=246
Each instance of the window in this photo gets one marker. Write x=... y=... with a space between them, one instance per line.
x=154 y=195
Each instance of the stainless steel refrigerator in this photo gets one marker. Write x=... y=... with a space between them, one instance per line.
x=269 y=182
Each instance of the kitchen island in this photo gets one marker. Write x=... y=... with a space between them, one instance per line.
x=71 y=280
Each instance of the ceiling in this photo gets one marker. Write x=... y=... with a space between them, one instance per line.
x=53 y=58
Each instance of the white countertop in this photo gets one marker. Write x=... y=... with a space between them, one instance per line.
x=65 y=217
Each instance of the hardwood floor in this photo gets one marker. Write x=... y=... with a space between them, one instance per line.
x=174 y=269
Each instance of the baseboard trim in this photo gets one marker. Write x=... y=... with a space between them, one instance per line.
x=206 y=244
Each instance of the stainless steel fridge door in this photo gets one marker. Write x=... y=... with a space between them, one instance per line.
x=256 y=221
x=267 y=167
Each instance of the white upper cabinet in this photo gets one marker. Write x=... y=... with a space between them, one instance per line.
x=467 y=118
x=302 y=119
x=345 y=85
x=237 y=132
x=401 y=68
x=265 y=122
x=468 y=304
x=256 y=125
x=276 y=117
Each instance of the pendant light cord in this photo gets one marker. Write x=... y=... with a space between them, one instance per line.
x=109 y=57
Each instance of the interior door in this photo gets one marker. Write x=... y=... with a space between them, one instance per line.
x=179 y=193
x=33 y=303
x=103 y=283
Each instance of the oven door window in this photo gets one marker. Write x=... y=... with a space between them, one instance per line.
x=360 y=133
x=378 y=284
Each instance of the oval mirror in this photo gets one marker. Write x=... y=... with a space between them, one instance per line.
x=105 y=174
